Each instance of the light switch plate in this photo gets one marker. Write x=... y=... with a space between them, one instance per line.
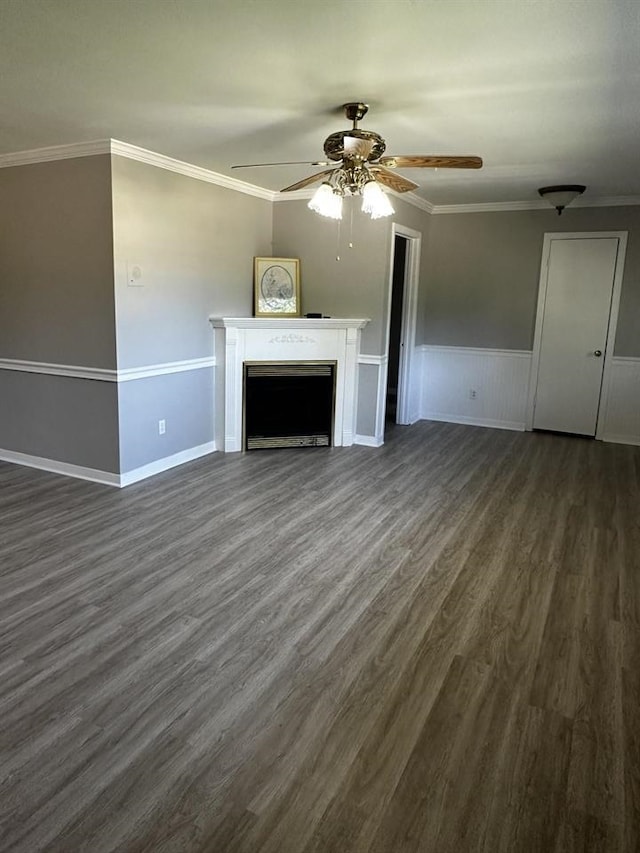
x=134 y=275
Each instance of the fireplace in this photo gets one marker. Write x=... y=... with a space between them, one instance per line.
x=288 y=404
x=267 y=342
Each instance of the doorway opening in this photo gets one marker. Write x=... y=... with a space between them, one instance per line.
x=398 y=279
x=398 y=389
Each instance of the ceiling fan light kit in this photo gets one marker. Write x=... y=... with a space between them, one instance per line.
x=361 y=169
x=375 y=202
x=326 y=202
x=561 y=195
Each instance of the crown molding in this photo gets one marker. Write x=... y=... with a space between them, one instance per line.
x=416 y=201
x=199 y=173
x=297 y=195
x=506 y=206
x=56 y=152
x=131 y=152
x=161 y=161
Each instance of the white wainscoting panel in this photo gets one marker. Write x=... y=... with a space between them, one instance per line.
x=499 y=378
x=622 y=412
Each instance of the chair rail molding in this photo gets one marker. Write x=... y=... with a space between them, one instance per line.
x=101 y=374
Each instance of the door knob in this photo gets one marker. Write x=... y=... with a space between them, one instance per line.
x=597 y=353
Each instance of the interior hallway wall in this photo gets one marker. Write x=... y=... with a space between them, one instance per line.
x=57 y=309
x=193 y=243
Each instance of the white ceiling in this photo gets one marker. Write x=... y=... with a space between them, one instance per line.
x=545 y=91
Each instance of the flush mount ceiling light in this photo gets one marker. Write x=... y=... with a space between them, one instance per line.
x=360 y=169
x=561 y=195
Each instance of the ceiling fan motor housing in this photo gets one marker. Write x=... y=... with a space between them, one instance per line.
x=334 y=144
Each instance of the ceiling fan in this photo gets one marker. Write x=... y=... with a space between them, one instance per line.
x=361 y=167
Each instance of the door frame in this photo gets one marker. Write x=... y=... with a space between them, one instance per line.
x=408 y=395
x=611 y=327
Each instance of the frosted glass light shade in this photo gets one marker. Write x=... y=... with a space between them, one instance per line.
x=562 y=195
x=375 y=202
x=326 y=202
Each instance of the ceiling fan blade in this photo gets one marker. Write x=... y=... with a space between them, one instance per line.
x=434 y=161
x=391 y=180
x=306 y=181
x=286 y=163
x=356 y=148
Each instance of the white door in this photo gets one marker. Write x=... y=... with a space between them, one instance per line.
x=573 y=341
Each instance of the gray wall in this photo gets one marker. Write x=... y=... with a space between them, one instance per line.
x=357 y=285
x=183 y=400
x=69 y=231
x=57 y=305
x=61 y=418
x=480 y=284
x=352 y=286
x=56 y=267
x=194 y=243
x=367 y=399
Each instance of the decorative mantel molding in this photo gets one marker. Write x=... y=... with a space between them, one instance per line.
x=240 y=339
x=300 y=324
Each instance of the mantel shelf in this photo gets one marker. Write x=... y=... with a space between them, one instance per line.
x=287 y=322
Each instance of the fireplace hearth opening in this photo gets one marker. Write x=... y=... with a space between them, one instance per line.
x=289 y=404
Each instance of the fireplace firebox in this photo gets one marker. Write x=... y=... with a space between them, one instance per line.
x=289 y=404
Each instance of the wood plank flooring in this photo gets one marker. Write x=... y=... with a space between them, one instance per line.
x=433 y=646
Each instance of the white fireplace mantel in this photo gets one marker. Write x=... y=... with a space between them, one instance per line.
x=240 y=339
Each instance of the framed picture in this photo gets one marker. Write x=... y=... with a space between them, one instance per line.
x=276 y=287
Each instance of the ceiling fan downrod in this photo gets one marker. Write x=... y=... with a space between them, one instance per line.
x=355 y=111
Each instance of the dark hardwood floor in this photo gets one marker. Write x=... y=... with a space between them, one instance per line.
x=433 y=646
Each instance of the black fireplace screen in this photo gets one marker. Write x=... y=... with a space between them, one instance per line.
x=288 y=404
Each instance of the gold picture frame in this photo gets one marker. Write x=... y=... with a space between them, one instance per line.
x=276 y=287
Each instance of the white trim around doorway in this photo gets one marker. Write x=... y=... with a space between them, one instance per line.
x=408 y=379
x=611 y=329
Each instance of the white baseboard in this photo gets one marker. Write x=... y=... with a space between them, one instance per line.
x=107 y=478
x=517 y=426
x=64 y=468
x=160 y=465
x=368 y=440
x=622 y=439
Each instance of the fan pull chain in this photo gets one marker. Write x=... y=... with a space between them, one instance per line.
x=351 y=201
x=338 y=240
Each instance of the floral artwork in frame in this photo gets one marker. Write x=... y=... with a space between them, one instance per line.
x=276 y=287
